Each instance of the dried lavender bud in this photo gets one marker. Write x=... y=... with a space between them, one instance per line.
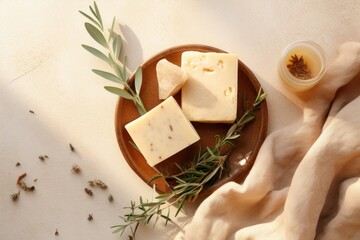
x=88 y=191
x=15 y=196
x=29 y=189
x=98 y=183
x=43 y=157
x=75 y=168
x=91 y=183
x=71 y=147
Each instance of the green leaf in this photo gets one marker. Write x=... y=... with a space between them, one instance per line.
x=124 y=69
x=233 y=137
x=260 y=98
x=163 y=195
x=167 y=217
x=150 y=204
x=154 y=178
x=116 y=67
x=133 y=230
x=98 y=14
x=96 y=34
x=231 y=129
x=120 y=92
x=248 y=119
x=96 y=53
x=118 y=228
x=117 y=46
x=111 y=31
x=149 y=218
x=180 y=206
x=138 y=80
x=107 y=75
x=91 y=19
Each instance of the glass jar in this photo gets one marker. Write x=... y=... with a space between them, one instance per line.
x=302 y=65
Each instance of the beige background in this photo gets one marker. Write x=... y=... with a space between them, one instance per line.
x=43 y=68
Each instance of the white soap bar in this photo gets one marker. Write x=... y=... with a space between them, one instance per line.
x=170 y=78
x=210 y=93
x=162 y=132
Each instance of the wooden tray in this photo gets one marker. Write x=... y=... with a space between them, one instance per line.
x=247 y=147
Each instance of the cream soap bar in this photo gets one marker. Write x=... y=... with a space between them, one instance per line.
x=162 y=132
x=170 y=78
x=210 y=93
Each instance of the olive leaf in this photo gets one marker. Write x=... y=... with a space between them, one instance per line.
x=138 y=80
x=98 y=15
x=117 y=46
x=91 y=19
x=107 y=75
x=96 y=34
x=96 y=53
x=120 y=92
x=123 y=73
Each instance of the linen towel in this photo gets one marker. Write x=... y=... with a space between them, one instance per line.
x=305 y=182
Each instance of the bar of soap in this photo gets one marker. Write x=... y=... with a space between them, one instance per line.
x=210 y=93
x=170 y=78
x=162 y=132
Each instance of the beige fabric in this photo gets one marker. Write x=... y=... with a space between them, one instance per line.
x=305 y=181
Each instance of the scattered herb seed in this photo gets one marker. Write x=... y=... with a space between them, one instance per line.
x=88 y=191
x=98 y=183
x=110 y=198
x=35 y=180
x=30 y=189
x=43 y=157
x=31 y=111
x=18 y=164
x=56 y=233
x=71 y=147
x=15 y=196
x=90 y=217
x=75 y=168
x=91 y=183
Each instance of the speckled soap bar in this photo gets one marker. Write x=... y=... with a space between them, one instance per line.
x=162 y=132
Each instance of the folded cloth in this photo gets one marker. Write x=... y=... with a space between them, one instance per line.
x=305 y=181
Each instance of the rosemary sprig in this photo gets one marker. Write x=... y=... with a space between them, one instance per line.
x=112 y=42
x=206 y=168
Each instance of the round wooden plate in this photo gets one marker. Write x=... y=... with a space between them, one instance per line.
x=247 y=147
